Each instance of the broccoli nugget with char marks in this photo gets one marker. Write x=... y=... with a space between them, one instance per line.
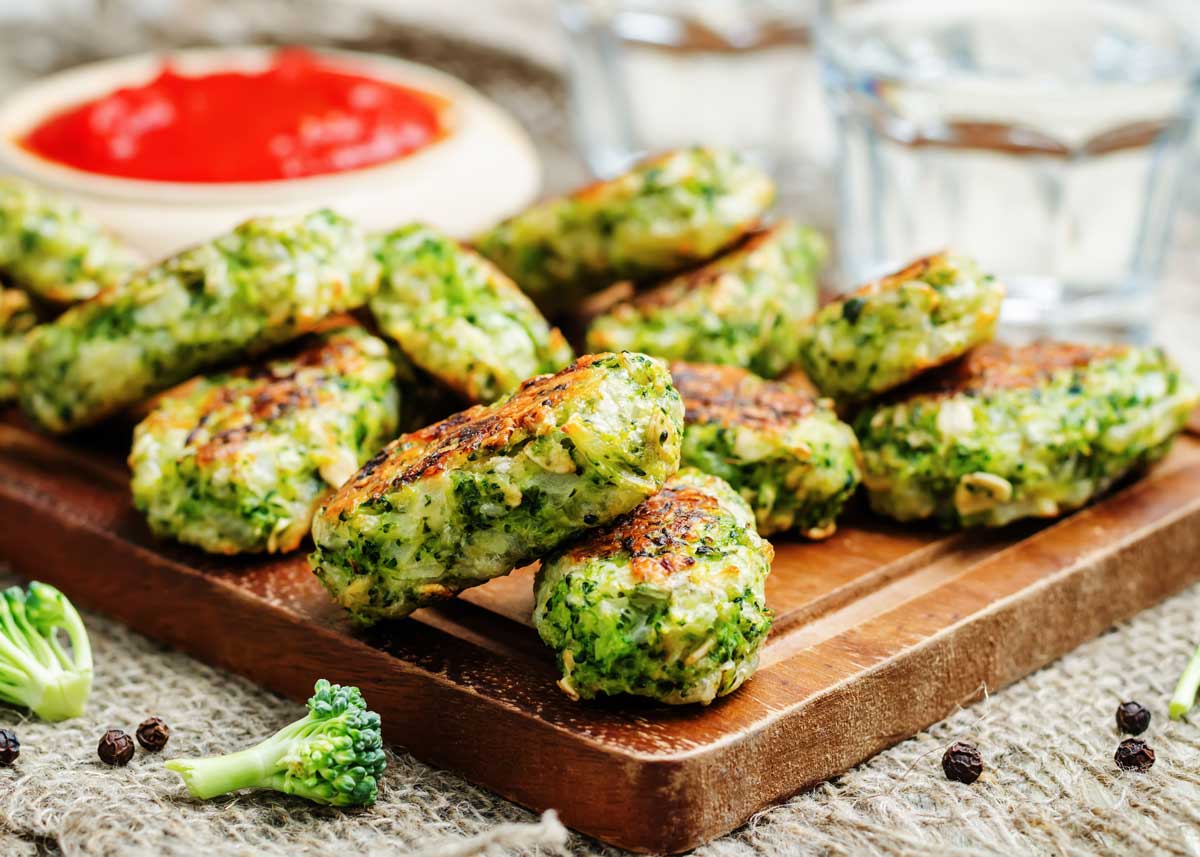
x=239 y=462
x=784 y=451
x=492 y=488
x=668 y=602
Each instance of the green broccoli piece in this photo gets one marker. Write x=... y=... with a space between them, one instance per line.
x=1185 y=692
x=333 y=755
x=36 y=670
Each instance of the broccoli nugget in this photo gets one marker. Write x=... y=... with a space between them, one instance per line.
x=55 y=252
x=666 y=214
x=239 y=462
x=743 y=309
x=17 y=318
x=893 y=329
x=266 y=282
x=668 y=602
x=1017 y=432
x=784 y=451
x=459 y=318
x=492 y=488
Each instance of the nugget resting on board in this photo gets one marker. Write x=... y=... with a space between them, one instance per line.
x=459 y=318
x=492 y=488
x=239 y=462
x=267 y=281
x=17 y=318
x=667 y=602
x=893 y=329
x=666 y=214
x=785 y=452
x=743 y=309
x=52 y=250
x=1013 y=432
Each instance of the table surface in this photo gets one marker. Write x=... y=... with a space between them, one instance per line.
x=1050 y=787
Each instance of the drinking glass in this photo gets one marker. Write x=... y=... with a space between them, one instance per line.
x=649 y=75
x=1047 y=138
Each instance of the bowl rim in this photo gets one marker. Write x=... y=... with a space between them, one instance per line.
x=32 y=103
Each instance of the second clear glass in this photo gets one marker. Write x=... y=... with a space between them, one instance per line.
x=1049 y=140
x=649 y=75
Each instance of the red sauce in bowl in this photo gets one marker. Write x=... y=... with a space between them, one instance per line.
x=304 y=115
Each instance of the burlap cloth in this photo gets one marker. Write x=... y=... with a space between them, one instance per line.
x=1050 y=787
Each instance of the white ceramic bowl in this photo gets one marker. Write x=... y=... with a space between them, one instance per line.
x=481 y=170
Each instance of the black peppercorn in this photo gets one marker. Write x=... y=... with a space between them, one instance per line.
x=1133 y=718
x=1134 y=754
x=153 y=734
x=10 y=747
x=962 y=763
x=116 y=748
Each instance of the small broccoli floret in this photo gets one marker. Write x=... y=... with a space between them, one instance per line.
x=331 y=756
x=36 y=669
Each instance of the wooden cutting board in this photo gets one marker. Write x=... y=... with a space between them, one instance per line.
x=879 y=632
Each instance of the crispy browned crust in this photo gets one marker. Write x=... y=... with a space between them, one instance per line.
x=660 y=536
x=599 y=188
x=997 y=366
x=272 y=395
x=669 y=292
x=439 y=447
x=731 y=396
x=913 y=271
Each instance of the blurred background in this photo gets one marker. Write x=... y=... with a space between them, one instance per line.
x=1056 y=141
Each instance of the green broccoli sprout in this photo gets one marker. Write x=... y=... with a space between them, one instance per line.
x=36 y=670
x=333 y=755
x=1185 y=692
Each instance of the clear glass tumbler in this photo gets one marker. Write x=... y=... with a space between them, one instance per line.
x=649 y=75
x=1047 y=138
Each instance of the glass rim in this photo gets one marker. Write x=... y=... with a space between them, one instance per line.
x=835 y=42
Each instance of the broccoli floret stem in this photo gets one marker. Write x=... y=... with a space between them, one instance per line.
x=36 y=671
x=255 y=767
x=1185 y=692
x=63 y=698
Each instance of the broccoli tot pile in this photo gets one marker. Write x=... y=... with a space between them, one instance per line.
x=333 y=755
x=36 y=671
x=485 y=491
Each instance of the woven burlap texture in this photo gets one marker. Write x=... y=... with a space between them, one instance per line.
x=1051 y=786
